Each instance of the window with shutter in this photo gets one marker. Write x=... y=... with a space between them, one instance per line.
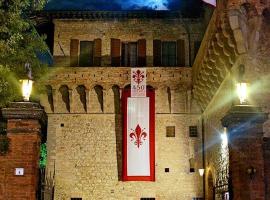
x=129 y=54
x=86 y=53
x=168 y=53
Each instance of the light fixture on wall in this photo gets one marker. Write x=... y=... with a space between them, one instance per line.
x=242 y=92
x=201 y=172
x=27 y=83
x=242 y=86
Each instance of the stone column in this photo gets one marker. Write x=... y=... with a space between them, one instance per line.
x=24 y=121
x=246 y=160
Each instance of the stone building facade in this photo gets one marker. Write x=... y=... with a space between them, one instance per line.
x=83 y=104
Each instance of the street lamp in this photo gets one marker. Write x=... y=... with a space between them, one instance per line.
x=27 y=84
x=26 y=88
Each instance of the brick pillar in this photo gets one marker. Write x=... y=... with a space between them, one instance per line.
x=245 y=134
x=24 y=131
x=266 y=166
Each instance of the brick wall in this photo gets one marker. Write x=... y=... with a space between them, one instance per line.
x=23 y=153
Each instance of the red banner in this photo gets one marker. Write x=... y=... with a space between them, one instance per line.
x=138 y=137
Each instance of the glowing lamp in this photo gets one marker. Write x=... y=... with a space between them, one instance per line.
x=224 y=136
x=242 y=92
x=26 y=88
x=201 y=172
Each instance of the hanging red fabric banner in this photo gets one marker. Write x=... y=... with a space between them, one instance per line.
x=139 y=137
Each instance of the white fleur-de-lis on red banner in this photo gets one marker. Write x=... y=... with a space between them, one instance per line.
x=138 y=135
x=138 y=76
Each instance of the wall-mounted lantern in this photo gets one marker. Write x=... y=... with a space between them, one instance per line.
x=242 y=92
x=201 y=172
x=242 y=86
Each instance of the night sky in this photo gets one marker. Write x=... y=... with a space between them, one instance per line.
x=191 y=5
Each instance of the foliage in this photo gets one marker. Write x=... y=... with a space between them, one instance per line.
x=19 y=44
x=43 y=155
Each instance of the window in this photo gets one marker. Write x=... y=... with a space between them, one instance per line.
x=129 y=54
x=148 y=198
x=86 y=53
x=170 y=131
x=168 y=54
x=76 y=199
x=193 y=132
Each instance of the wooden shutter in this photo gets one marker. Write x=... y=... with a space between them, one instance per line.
x=141 y=52
x=115 y=52
x=97 y=52
x=74 y=49
x=157 y=52
x=181 y=53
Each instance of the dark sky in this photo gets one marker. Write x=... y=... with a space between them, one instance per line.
x=122 y=4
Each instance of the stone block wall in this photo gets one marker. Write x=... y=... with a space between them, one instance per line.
x=127 y=30
x=85 y=146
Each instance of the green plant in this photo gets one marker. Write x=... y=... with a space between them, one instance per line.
x=43 y=155
x=4 y=144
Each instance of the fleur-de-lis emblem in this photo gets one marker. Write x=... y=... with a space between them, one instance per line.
x=138 y=135
x=138 y=76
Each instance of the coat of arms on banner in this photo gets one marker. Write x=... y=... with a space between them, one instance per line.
x=138 y=82
x=138 y=135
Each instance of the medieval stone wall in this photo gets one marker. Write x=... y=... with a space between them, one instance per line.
x=130 y=30
x=85 y=139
